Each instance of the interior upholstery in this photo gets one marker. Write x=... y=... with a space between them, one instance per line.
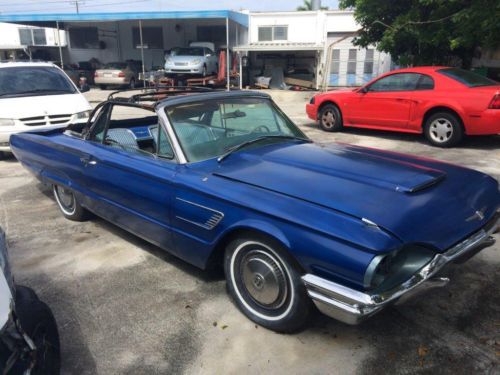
x=124 y=137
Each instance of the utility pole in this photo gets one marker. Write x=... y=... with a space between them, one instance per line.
x=77 y=5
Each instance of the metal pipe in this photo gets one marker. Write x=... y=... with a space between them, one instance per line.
x=142 y=55
x=227 y=55
x=59 y=44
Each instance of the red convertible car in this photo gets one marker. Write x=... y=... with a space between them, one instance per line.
x=443 y=103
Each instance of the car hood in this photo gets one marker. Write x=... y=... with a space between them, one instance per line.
x=184 y=59
x=31 y=106
x=415 y=199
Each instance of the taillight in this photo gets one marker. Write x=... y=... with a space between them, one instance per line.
x=121 y=74
x=495 y=102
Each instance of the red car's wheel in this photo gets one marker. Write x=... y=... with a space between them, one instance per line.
x=330 y=118
x=443 y=129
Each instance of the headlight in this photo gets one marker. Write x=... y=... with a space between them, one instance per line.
x=389 y=270
x=195 y=62
x=82 y=115
x=6 y=122
x=4 y=261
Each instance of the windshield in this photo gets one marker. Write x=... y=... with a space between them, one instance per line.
x=192 y=51
x=211 y=128
x=468 y=78
x=39 y=80
x=115 y=65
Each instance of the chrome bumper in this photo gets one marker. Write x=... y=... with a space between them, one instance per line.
x=352 y=306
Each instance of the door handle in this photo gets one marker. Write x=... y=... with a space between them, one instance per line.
x=86 y=160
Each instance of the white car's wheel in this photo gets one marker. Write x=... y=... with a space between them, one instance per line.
x=68 y=204
x=265 y=284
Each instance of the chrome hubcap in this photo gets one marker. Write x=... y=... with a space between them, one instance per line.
x=264 y=279
x=328 y=119
x=65 y=197
x=441 y=130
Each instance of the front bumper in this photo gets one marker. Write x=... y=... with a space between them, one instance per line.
x=311 y=111
x=352 y=306
x=184 y=69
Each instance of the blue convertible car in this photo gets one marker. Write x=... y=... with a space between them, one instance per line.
x=225 y=178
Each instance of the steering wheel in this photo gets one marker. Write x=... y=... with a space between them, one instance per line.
x=261 y=129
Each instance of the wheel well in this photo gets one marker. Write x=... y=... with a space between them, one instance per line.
x=327 y=102
x=434 y=110
x=216 y=260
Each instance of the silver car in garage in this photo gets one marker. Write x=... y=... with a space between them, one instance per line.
x=197 y=59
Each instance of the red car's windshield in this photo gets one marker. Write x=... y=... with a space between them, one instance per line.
x=469 y=79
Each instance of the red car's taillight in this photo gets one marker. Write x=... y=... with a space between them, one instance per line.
x=121 y=74
x=495 y=102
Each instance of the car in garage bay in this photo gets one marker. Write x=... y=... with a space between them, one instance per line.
x=197 y=59
x=117 y=74
x=443 y=103
x=226 y=179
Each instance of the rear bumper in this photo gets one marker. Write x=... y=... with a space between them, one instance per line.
x=110 y=81
x=485 y=123
x=352 y=306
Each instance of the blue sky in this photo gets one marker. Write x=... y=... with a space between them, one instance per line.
x=63 y=6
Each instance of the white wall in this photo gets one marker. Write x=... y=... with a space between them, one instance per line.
x=9 y=35
x=303 y=27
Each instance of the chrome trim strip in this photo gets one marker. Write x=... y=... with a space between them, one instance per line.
x=353 y=306
x=212 y=221
x=174 y=142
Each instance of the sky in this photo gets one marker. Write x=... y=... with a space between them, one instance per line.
x=63 y=6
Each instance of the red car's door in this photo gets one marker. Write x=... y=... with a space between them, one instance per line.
x=386 y=103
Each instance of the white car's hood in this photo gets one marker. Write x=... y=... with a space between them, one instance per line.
x=5 y=300
x=31 y=106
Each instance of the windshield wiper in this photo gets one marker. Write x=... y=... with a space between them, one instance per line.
x=252 y=141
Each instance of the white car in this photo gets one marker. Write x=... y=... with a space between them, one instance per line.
x=36 y=96
x=197 y=59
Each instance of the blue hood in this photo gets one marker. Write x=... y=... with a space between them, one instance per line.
x=418 y=200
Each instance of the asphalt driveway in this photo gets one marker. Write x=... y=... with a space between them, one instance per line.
x=123 y=306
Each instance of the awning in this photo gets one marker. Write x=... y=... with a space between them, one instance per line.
x=49 y=19
x=271 y=47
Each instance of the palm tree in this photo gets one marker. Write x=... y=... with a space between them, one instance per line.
x=308 y=6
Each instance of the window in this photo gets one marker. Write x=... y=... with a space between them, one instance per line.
x=351 y=62
x=16 y=81
x=368 y=68
x=425 y=83
x=209 y=129
x=335 y=66
x=396 y=82
x=265 y=34
x=469 y=79
x=164 y=149
x=39 y=37
x=25 y=37
x=271 y=33
x=84 y=37
x=152 y=37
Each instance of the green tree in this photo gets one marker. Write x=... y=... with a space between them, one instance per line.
x=308 y=6
x=428 y=32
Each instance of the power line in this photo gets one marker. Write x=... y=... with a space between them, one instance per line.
x=68 y=7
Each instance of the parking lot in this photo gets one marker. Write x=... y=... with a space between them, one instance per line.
x=124 y=306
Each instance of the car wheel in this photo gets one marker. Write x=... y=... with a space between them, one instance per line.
x=265 y=284
x=40 y=325
x=68 y=204
x=132 y=83
x=443 y=129
x=330 y=118
x=102 y=87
